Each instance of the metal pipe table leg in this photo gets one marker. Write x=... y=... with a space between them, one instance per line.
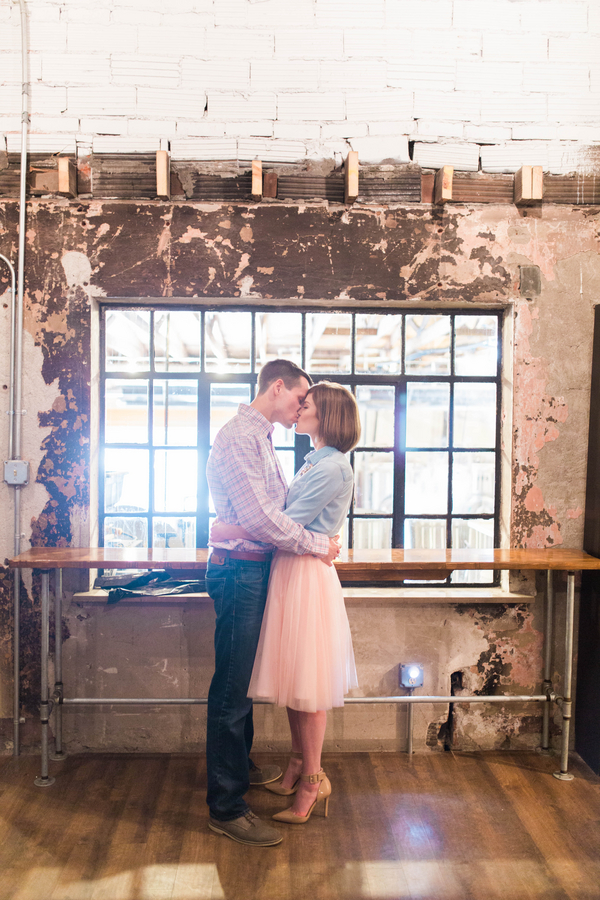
x=547 y=683
x=409 y=729
x=58 y=753
x=44 y=780
x=564 y=775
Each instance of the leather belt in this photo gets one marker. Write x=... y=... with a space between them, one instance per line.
x=218 y=556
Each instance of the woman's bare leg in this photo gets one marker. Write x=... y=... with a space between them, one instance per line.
x=311 y=727
x=295 y=765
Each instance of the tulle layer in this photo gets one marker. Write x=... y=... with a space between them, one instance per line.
x=304 y=658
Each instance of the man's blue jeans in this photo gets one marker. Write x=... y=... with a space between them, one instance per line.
x=239 y=591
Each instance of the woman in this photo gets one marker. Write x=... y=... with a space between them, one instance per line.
x=304 y=659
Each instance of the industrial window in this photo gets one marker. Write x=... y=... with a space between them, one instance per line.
x=427 y=384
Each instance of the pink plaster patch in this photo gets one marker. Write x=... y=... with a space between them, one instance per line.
x=574 y=513
x=190 y=234
x=534 y=499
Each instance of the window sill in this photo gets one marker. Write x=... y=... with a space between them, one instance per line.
x=373 y=596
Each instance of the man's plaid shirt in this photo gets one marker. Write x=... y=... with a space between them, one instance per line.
x=249 y=488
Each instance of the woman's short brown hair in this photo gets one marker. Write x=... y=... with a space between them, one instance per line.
x=337 y=412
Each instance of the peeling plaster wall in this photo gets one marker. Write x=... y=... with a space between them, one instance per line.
x=308 y=252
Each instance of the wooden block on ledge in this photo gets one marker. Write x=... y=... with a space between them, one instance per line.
x=443 y=185
x=163 y=175
x=257 y=180
x=270 y=185
x=43 y=181
x=351 y=177
x=529 y=185
x=67 y=177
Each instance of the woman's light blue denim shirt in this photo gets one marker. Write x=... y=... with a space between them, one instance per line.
x=320 y=494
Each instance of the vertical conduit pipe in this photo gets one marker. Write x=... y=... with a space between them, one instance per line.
x=17 y=364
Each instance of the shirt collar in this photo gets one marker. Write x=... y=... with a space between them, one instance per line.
x=315 y=455
x=256 y=417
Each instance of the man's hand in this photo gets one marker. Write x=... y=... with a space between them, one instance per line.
x=334 y=550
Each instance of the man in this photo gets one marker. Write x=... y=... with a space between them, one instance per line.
x=248 y=488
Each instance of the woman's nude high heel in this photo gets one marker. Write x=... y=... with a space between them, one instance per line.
x=323 y=793
x=275 y=786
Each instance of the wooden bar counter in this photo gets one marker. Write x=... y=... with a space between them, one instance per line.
x=353 y=566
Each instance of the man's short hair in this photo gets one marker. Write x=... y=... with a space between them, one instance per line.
x=288 y=371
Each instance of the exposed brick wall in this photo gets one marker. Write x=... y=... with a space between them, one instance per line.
x=497 y=83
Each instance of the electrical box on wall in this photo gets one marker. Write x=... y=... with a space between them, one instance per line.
x=16 y=471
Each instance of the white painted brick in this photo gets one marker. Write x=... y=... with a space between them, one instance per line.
x=284 y=75
x=515 y=47
x=556 y=78
x=170 y=103
x=297 y=131
x=229 y=13
x=534 y=132
x=107 y=125
x=383 y=106
x=12 y=123
x=488 y=15
x=45 y=100
x=239 y=44
x=280 y=14
x=86 y=14
x=567 y=156
x=48 y=34
x=42 y=143
x=310 y=44
x=554 y=16
x=194 y=21
x=427 y=130
x=344 y=130
x=422 y=75
x=488 y=76
x=92 y=101
x=408 y=14
x=163 y=40
x=383 y=129
x=219 y=74
x=42 y=12
x=249 y=129
x=182 y=6
x=376 y=149
x=581 y=109
x=595 y=77
x=446 y=45
x=54 y=124
x=10 y=39
x=144 y=70
x=75 y=68
x=204 y=148
x=352 y=13
x=152 y=127
x=502 y=108
x=464 y=157
x=271 y=150
x=388 y=43
x=196 y=7
x=118 y=144
x=349 y=74
x=310 y=107
x=581 y=48
x=200 y=129
x=125 y=16
x=594 y=18
x=232 y=106
x=486 y=134
x=462 y=106
x=510 y=157
x=584 y=133
x=10 y=67
x=100 y=38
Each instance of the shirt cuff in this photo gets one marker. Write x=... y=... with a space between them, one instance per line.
x=320 y=544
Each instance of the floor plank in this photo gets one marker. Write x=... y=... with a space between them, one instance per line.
x=457 y=826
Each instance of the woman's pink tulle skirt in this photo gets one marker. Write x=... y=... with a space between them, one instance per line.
x=304 y=658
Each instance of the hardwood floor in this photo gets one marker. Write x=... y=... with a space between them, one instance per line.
x=462 y=826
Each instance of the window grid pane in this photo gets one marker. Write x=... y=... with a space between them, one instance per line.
x=427 y=385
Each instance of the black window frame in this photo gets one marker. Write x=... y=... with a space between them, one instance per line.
x=352 y=380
